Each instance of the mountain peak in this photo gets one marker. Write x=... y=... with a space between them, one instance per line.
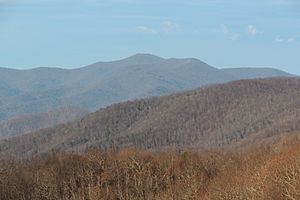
x=142 y=58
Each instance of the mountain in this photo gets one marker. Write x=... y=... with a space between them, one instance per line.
x=104 y=83
x=32 y=122
x=218 y=116
x=248 y=72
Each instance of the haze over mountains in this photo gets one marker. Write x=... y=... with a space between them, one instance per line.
x=222 y=115
x=104 y=83
x=32 y=122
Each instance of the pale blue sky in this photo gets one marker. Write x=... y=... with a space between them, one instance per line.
x=223 y=33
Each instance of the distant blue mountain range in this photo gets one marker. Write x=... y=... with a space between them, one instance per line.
x=104 y=83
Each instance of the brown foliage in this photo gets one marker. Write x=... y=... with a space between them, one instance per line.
x=264 y=172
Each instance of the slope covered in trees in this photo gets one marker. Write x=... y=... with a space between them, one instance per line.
x=265 y=172
x=224 y=115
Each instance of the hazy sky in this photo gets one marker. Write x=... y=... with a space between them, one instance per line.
x=223 y=33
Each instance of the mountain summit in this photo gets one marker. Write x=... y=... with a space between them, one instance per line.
x=142 y=58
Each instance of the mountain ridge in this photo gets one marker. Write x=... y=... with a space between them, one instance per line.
x=248 y=72
x=104 y=83
x=143 y=57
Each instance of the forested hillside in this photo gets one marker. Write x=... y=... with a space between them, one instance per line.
x=262 y=172
x=213 y=117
